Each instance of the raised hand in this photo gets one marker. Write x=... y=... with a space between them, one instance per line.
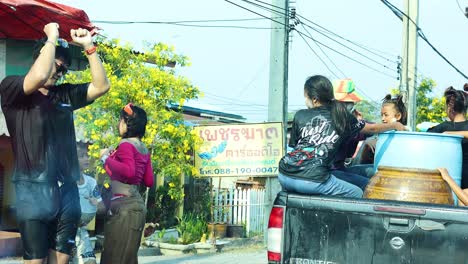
x=52 y=31
x=82 y=37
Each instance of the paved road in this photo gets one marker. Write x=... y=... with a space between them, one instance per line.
x=253 y=254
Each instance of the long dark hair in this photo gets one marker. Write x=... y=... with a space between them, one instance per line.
x=320 y=88
x=136 y=121
x=456 y=100
x=399 y=105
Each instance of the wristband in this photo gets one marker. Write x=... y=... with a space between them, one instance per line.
x=90 y=50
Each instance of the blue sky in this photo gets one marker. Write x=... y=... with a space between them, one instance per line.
x=231 y=65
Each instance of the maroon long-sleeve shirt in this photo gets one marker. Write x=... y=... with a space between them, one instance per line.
x=129 y=166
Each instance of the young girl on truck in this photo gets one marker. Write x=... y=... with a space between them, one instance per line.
x=456 y=104
x=316 y=135
x=393 y=110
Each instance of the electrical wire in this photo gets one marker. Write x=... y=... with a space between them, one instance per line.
x=461 y=9
x=320 y=47
x=178 y=24
x=359 y=62
x=400 y=14
x=346 y=56
x=368 y=49
x=367 y=57
x=283 y=14
x=321 y=32
x=341 y=44
x=255 y=13
x=257 y=74
x=230 y=100
x=179 y=21
x=318 y=56
x=324 y=63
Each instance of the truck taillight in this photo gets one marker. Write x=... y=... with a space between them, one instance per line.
x=275 y=233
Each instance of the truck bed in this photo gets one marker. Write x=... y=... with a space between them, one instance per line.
x=329 y=230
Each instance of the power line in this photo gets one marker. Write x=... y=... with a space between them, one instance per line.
x=310 y=47
x=359 y=62
x=333 y=73
x=461 y=9
x=347 y=40
x=255 y=12
x=368 y=49
x=177 y=24
x=230 y=100
x=237 y=104
x=320 y=47
x=367 y=57
x=268 y=9
x=344 y=55
x=257 y=74
x=363 y=55
x=400 y=15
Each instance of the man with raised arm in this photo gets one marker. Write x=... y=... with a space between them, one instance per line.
x=39 y=117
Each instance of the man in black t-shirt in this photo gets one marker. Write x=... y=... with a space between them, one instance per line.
x=39 y=117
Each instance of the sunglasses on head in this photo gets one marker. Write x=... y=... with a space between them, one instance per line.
x=128 y=109
x=61 y=68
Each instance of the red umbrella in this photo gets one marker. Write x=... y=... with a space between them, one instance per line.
x=25 y=19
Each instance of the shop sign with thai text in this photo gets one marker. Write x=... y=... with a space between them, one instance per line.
x=239 y=150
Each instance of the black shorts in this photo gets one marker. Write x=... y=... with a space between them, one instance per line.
x=48 y=217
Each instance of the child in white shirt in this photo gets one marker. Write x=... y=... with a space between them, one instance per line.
x=89 y=199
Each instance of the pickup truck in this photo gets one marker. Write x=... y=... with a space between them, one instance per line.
x=307 y=229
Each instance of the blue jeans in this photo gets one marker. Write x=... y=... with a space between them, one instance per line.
x=366 y=170
x=356 y=179
x=333 y=186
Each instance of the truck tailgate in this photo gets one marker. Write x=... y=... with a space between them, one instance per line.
x=330 y=230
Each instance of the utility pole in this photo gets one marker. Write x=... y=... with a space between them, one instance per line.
x=409 y=59
x=279 y=44
x=278 y=91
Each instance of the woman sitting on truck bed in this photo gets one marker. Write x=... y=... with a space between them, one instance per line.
x=316 y=135
x=456 y=104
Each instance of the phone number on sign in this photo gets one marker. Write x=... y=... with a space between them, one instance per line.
x=239 y=171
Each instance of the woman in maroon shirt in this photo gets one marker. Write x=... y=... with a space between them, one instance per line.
x=128 y=167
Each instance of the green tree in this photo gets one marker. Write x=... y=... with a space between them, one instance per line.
x=370 y=110
x=143 y=79
x=430 y=108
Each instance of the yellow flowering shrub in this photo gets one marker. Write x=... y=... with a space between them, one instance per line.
x=144 y=80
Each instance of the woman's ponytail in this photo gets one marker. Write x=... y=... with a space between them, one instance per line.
x=456 y=100
x=339 y=115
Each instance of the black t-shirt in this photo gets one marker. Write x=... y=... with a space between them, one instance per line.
x=315 y=142
x=42 y=130
x=456 y=126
